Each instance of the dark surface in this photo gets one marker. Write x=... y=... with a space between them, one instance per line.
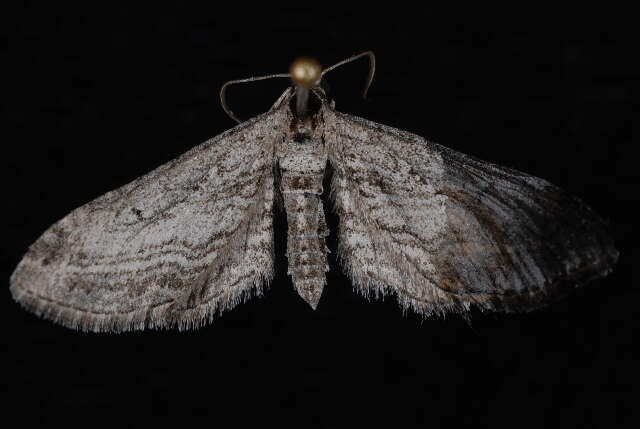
x=98 y=96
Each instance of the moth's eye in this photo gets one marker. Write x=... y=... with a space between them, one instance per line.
x=305 y=72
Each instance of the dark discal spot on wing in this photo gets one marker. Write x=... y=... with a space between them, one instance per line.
x=137 y=213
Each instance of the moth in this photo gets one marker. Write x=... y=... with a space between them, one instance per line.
x=440 y=230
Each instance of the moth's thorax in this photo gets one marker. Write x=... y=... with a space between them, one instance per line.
x=309 y=125
x=304 y=129
x=305 y=157
x=302 y=150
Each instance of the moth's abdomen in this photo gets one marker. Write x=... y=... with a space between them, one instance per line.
x=306 y=249
x=302 y=172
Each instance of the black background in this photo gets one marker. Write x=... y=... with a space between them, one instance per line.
x=97 y=96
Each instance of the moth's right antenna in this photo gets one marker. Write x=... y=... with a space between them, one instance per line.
x=372 y=68
x=223 y=98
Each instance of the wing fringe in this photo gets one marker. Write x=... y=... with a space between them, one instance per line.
x=162 y=316
x=460 y=304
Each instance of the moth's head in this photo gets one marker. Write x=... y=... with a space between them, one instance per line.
x=306 y=72
x=306 y=76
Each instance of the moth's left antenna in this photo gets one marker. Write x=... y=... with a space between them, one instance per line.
x=223 y=99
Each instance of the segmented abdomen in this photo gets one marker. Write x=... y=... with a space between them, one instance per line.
x=302 y=172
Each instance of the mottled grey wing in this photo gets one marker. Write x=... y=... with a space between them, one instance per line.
x=444 y=230
x=170 y=249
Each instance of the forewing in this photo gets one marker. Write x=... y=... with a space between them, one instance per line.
x=170 y=249
x=444 y=230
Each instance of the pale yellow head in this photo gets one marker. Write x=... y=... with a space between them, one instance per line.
x=305 y=72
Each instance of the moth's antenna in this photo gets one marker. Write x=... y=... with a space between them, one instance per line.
x=223 y=99
x=372 y=68
x=306 y=73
